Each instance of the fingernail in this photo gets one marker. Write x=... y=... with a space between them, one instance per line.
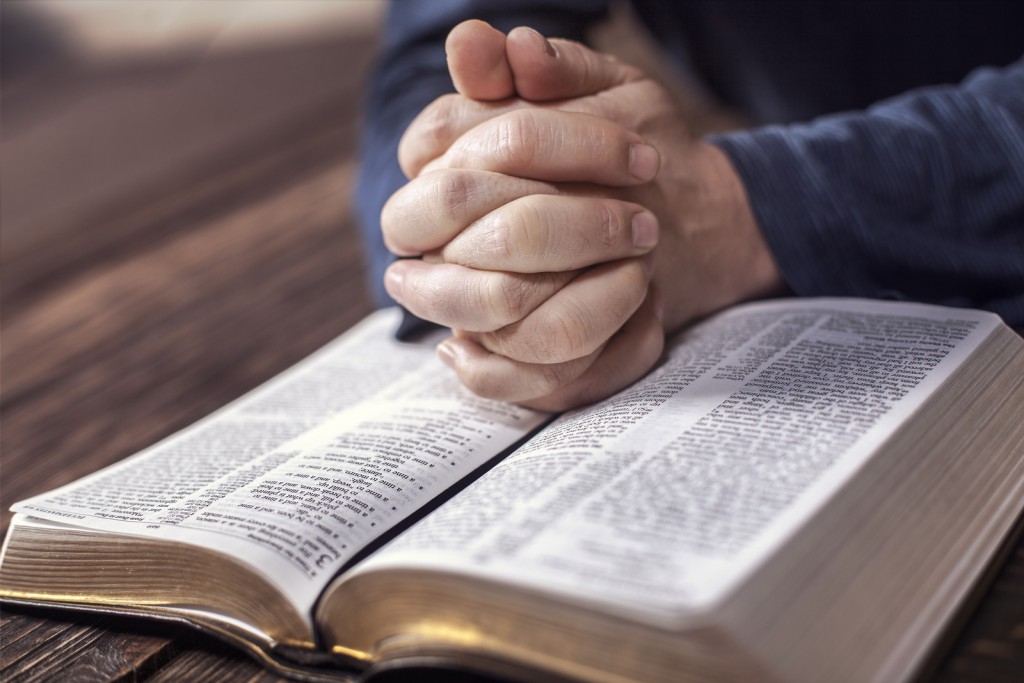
x=549 y=49
x=393 y=281
x=643 y=162
x=645 y=230
x=446 y=353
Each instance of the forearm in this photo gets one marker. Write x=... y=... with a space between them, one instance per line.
x=920 y=197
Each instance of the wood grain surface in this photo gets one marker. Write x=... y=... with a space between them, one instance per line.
x=128 y=319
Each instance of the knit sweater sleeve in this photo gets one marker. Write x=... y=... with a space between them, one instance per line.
x=920 y=197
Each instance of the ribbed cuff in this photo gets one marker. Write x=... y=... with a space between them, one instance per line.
x=805 y=222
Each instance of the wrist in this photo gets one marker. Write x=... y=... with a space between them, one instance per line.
x=728 y=210
x=719 y=256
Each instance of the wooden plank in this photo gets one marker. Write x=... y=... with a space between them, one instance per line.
x=209 y=662
x=41 y=646
x=81 y=138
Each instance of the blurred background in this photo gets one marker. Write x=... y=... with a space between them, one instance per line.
x=104 y=97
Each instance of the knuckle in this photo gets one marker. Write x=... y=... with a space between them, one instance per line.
x=601 y=137
x=422 y=296
x=516 y=137
x=570 y=338
x=488 y=300
x=560 y=338
x=392 y=223
x=550 y=378
x=465 y=303
x=527 y=228
x=453 y=193
x=497 y=236
x=511 y=294
x=427 y=136
x=437 y=125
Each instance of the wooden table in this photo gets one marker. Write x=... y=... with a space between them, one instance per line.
x=126 y=322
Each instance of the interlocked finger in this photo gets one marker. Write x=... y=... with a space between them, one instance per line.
x=558 y=146
x=469 y=299
x=433 y=208
x=542 y=233
x=578 y=318
x=630 y=353
x=441 y=123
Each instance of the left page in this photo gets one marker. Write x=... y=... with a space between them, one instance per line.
x=300 y=474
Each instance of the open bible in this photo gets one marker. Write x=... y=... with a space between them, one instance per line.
x=802 y=490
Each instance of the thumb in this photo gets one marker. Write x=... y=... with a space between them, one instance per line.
x=477 y=61
x=558 y=69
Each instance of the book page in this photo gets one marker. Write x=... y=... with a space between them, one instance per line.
x=302 y=473
x=658 y=499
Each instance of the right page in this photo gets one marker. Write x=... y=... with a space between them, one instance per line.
x=659 y=499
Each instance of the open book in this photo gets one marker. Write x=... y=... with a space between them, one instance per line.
x=802 y=490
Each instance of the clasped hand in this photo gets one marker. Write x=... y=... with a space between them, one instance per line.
x=538 y=200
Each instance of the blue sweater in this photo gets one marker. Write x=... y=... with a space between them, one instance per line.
x=915 y=191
